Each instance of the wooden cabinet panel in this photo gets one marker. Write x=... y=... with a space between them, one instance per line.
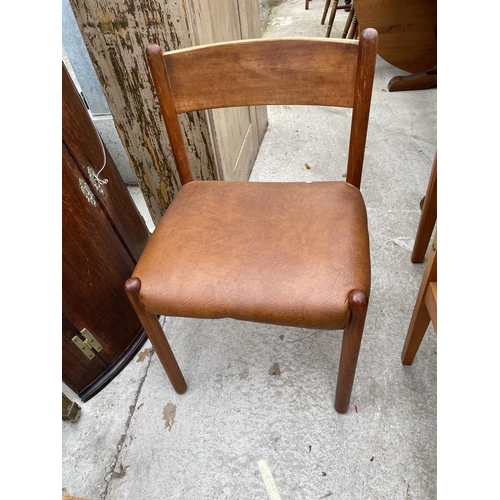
x=95 y=268
x=82 y=141
x=77 y=370
x=103 y=235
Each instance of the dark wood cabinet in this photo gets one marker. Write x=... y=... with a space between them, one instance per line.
x=103 y=235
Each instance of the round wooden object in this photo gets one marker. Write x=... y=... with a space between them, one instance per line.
x=407 y=31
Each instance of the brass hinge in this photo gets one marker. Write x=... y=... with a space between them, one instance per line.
x=88 y=344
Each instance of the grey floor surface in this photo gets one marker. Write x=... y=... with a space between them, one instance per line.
x=138 y=439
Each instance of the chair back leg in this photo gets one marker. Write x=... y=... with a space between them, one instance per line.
x=348 y=22
x=325 y=11
x=332 y=18
x=351 y=34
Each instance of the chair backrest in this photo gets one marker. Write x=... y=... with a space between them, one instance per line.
x=307 y=71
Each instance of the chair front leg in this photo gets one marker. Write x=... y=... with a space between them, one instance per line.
x=351 y=342
x=155 y=333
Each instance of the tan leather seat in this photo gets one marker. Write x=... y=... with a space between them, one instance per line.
x=280 y=253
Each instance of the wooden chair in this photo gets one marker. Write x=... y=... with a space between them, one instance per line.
x=284 y=253
x=351 y=25
x=425 y=309
x=347 y=7
x=428 y=217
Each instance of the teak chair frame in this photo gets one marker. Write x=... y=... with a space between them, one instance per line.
x=293 y=71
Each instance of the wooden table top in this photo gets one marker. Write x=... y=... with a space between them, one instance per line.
x=407 y=31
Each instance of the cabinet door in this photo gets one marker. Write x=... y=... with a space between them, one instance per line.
x=236 y=132
x=84 y=146
x=95 y=266
x=78 y=371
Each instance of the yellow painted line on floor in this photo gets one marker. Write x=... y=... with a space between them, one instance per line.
x=267 y=477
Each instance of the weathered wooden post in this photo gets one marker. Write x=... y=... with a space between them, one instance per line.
x=222 y=144
x=116 y=33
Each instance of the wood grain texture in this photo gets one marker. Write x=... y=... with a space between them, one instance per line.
x=422 y=314
x=365 y=72
x=172 y=123
x=116 y=34
x=95 y=264
x=272 y=71
x=82 y=140
x=101 y=244
x=351 y=343
x=407 y=31
x=415 y=81
x=266 y=72
x=157 y=336
x=428 y=217
x=430 y=300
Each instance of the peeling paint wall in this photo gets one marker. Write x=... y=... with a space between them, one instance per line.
x=116 y=34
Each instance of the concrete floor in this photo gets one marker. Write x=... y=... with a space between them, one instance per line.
x=138 y=439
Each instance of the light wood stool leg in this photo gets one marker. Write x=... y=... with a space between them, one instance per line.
x=421 y=318
x=427 y=217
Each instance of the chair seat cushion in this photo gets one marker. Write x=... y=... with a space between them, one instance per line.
x=272 y=252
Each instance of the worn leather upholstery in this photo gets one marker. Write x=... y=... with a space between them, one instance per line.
x=280 y=253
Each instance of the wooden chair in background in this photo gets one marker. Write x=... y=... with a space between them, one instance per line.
x=284 y=253
x=425 y=309
x=351 y=25
x=347 y=7
x=428 y=217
